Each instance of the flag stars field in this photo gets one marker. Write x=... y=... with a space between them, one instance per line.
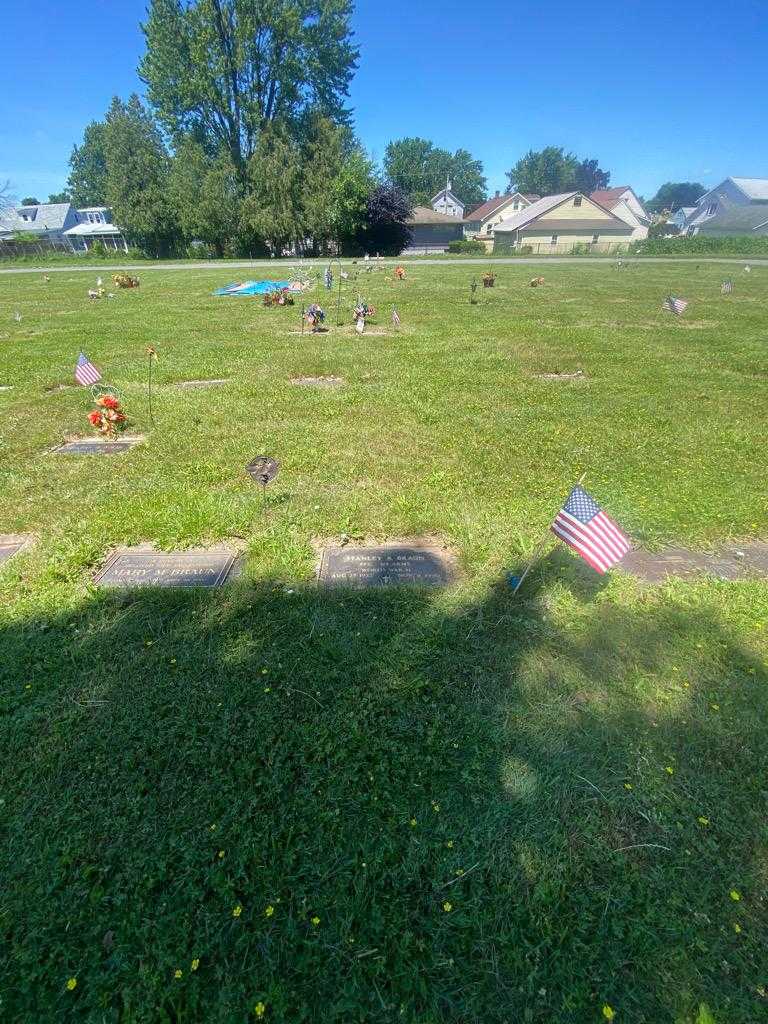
x=596 y=746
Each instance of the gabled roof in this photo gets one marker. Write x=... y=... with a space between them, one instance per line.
x=526 y=217
x=608 y=197
x=741 y=220
x=488 y=208
x=449 y=194
x=426 y=215
x=753 y=188
x=535 y=210
x=47 y=217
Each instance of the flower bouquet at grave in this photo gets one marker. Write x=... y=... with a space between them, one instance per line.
x=278 y=297
x=489 y=279
x=315 y=316
x=363 y=311
x=108 y=417
x=125 y=281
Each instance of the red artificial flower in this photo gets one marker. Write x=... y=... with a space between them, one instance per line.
x=108 y=402
x=95 y=418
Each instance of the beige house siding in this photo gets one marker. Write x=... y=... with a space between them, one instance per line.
x=586 y=210
x=573 y=236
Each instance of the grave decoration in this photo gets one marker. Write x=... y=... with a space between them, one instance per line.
x=536 y=282
x=726 y=288
x=489 y=279
x=252 y=287
x=108 y=417
x=675 y=305
x=279 y=297
x=473 y=292
x=96 y=293
x=315 y=317
x=328 y=278
x=363 y=311
x=262 y=470
x=399 y=273
x=395 y=318
x=125 y=281
x=360 y=325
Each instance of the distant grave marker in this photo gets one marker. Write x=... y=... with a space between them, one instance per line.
x=92 y=446
x=385 y=566
x=213 y=382
x=326 y=381
x=10 y=545
x=167 y=569
x=732 y=563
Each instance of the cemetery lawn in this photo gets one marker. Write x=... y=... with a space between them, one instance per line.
x=278 y=802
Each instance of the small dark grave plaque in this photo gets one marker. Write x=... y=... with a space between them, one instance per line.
x=159 y=569
x=384 y=567
x=9 y=547
x=95 y=447
x=262 y=469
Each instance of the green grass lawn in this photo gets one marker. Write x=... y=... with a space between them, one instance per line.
x=402 y=805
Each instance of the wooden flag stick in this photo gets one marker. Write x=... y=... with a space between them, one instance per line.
x=150 y=356
x=539 y=552
x=302 y=320
x=338 y=300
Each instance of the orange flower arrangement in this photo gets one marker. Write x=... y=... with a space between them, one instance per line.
x=108 y=416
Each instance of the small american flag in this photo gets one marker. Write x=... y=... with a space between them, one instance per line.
x=727 y=287
x=85 y=372
x=583 y=525
x=395 y=317
x=675 y=305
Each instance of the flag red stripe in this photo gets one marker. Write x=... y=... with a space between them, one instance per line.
x=591 y=536
x=583 y=544
x=619 y=539
x=577 y=545
x=604 y=532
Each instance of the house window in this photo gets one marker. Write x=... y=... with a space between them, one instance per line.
x=577 y=200
x=488 y=228
x=553 y=240
x=712 y=208
x=516 y=205
x=595 y=238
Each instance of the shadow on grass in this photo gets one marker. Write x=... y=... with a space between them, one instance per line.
x=473 y=804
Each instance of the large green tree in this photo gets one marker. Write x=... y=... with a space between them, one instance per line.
x=272 y=210
x=60 y=197
x=224 y=69
x=589 y=177
x=138 y=172
x=420 y=169
x=546 y=172
x=87 y=183
x=674 y=194
x=205 y=195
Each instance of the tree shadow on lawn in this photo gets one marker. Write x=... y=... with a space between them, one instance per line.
x=474 y=803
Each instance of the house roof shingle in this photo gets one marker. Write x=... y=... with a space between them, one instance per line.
x=47 y=217
x=536 y=209
x=426 y=215
x=739 y=219
x=488 y=208
x=754 y=188
x=608 y=197
x=525 y=217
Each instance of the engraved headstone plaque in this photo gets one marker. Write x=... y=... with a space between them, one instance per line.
x=94 y=447
x=162 y=569
x=10 y=546
x=385 y=566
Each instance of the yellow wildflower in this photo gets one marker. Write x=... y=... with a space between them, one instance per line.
x=447 y=907
x=737 y=927
x=413 y=823
x=195 y=964
x=259 y=1009
x=178 y=974
x=715 y=707
x=669 y=771
x=221 y=854
x=627 y=785
x=435 y=807
x=735 y=895
x=269 y=911
x=315 y=920
x=71 y=984
x=449 y=844
x=703 y=820
x=608 y=1012
x=237 y=911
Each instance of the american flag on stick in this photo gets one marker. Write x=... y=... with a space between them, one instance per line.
x=85 y=372
x=727 y=287
x=395 y=317
x=583 y=525
x=675 y=305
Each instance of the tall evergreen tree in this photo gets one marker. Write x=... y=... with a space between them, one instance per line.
x=272 y=210
x=138 y=176
x=205 y=195
x=87 y=183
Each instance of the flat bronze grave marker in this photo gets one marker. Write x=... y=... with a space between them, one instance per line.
x=211 y=383
x=385 y=566
x=167 y=569
x=95 y=447
x=10 y=545
x=732 y=563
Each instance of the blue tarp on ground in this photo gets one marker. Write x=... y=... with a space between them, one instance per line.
x=251 y=287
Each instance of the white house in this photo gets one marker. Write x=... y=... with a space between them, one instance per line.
x=725 y=201
x=623 y=203
x=446 y=202
x=63 y=225
x=94 y=223
x=558 y=223
x=483 y=219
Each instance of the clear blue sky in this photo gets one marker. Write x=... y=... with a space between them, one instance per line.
x=657 y=91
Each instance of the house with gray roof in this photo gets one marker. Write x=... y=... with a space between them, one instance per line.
x=718 y=208
x=62 y=225
x=558 y=223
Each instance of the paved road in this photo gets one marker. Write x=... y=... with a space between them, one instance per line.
x=283 y=265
